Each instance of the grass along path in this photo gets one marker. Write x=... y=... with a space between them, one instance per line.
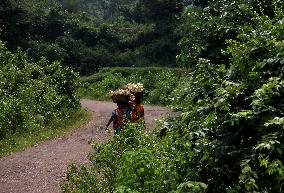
x=18 y=142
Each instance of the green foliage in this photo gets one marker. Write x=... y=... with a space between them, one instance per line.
x=159 y=82
x=197 y=187
x=20 y=141
x=88 y=35
x=130 y=162
x=226 y=118
x=205 y=30
x=227 y=134
x=33 y=94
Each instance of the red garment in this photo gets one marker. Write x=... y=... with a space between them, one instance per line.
x=137 y=112
x=118 y=118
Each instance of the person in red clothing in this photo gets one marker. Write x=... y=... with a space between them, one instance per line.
x=117 y=117
x=138 y=110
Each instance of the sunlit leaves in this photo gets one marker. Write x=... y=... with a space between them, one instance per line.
x=194 y=187
x=33 y=94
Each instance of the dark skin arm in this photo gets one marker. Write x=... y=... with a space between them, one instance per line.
x=109 y=122
x=141 y=114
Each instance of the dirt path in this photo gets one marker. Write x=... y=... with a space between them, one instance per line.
x=41 y=168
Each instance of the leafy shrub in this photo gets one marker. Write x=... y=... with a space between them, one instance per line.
x=228 y=133
x=130 y=162
x=33 y=94
x=232 y=121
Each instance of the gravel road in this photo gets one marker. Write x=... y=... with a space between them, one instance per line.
x=41 y=168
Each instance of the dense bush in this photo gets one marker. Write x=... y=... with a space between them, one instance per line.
x=33 y=94
x=228 y=135
x=233 y=121
x=130 y=162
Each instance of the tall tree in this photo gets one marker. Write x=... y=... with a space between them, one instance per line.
x=14 y=22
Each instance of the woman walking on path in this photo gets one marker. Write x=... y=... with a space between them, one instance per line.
x=117 y=117
x=122 y=113
x=129 y=106
x=138 y=110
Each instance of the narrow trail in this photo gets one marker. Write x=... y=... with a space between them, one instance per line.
x=41 y=168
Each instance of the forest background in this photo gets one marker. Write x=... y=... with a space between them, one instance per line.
x=219 y=63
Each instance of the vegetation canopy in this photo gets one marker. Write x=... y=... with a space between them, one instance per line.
x=228 y=134
x=219 y=64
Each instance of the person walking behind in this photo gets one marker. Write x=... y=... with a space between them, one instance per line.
x=137 y=113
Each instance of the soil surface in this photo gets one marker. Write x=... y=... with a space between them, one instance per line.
x=42 y=167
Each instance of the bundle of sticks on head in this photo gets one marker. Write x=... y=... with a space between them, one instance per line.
x=128 y=93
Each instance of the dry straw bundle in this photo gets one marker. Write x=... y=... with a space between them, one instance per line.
x=128 y=93
x=120 y=95
x=136 y=89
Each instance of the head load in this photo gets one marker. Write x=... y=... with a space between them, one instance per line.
x=132 y=92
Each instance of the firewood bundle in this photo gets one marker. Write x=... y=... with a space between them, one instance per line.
x=128 y=93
